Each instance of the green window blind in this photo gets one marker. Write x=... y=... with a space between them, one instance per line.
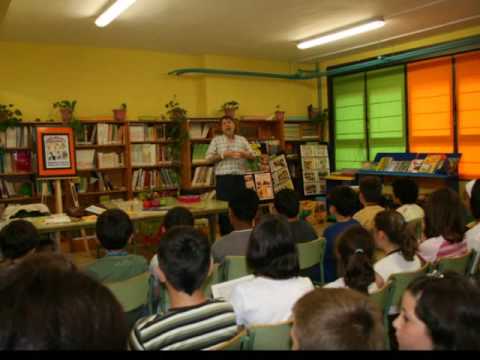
x=349 y=104
x=386 y=110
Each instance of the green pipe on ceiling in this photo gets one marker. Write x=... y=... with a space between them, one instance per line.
x=469 y=43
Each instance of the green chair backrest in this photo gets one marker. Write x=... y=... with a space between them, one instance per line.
x=269 y=337
x=234 y=344
x=131 y=293
x=215 y=277
x=458 y=264
x=312 y=253
x=474 y=263
x=234 y=267
x=380 y=297
x=400 y=282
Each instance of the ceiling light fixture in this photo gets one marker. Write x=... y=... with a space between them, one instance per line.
x=113 y=11
x=358 y=29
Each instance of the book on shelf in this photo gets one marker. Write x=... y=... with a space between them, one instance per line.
x=201 y=130
x=137 y=133
x=108 y=160
x=85 y=159
x=108 y=134
x=199 y=152
x=309 y=131
x=264 y=186
x=415 y=165
x=10 y=189
x=291 y=131
x=15 y=137
x=87 y=135
x=431 y=163
x=144 y=154
x=203 y=176
x=165 y=153
x=19 y=161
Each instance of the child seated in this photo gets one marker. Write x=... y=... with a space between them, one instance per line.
x=405 y=194
x=337 y=319
x=370 y=197
x=18 y=239
x=342 y=201
x=472 y=236
x=444 y=226
x=272 y=256
x=114 y=231
x=354 y=250
x=439 y=312
x=286 y=203
x=193 y=322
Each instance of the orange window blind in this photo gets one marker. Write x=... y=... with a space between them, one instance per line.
x=430 y=105
x=468 y=113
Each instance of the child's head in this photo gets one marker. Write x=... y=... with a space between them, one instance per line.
x=18 y=239
x=444 y=216
x=370 y=190
x=287 y=203
x=184 y=259
x=178 y=216
x=355 y=247
x=243 y=207
x=342 y=201
x=475 y=200
x=47 y=304
x=439 y=313
x=114 y=229
x=390 y=229
x=405 y=191
x=337 y=319
x=272 y=251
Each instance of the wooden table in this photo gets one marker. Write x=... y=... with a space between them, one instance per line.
x=205 y=209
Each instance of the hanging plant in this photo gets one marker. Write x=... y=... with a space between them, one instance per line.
x=177 y=130
x=9 y=116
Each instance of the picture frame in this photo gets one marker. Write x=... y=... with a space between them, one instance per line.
x=55 y=152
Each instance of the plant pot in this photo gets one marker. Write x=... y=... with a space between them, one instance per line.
x=279 y=115
x=120 y=114
x=66 y=115
x=230 y=113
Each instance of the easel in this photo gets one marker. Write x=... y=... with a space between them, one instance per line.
x=58 y=189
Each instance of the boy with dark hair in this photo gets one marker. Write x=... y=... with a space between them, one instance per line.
x=193 y=322
x=370 y=197
x=18 y=239
x=286 y=203
x=342 y=202
x=242 y=210
x=114 y=231
x=337 y=319
x=405 y=193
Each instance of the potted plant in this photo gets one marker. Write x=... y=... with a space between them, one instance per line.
x=230 y=107
x=279 y=113
x=177 y=129
x=120 y=114
x=9 y=116
x=67 y=109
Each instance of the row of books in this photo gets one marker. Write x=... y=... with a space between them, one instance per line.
x=144 y=155
x=139 y=133
x=199 y=152
x=143 y=179
x=430 y=164
x=202 y=130
x=9 y=189
x=108 y=134
x=203 y=176
x=87 y=136
x=16 y=161
x=108 y=160
x=300 y=131
x=15 y=137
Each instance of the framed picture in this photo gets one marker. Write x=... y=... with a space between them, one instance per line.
x=55 y=152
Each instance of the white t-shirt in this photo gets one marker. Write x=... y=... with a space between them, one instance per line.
x=396 y=263
x=472 y=237
x=411 y=212
x=340 y=283
x=267 y=301
x=429 y=249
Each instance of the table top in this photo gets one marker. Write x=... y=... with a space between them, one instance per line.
x=202 y=208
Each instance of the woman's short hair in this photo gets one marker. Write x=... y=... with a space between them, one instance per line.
x=48 y=305
x=444 y=215
x=448 y=304
x=272 y=251
x=338 y=319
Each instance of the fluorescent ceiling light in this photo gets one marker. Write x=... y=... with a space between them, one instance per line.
x=359 y=29
x=113 y=11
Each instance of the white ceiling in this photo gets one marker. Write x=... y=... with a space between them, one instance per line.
x=253 y=28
